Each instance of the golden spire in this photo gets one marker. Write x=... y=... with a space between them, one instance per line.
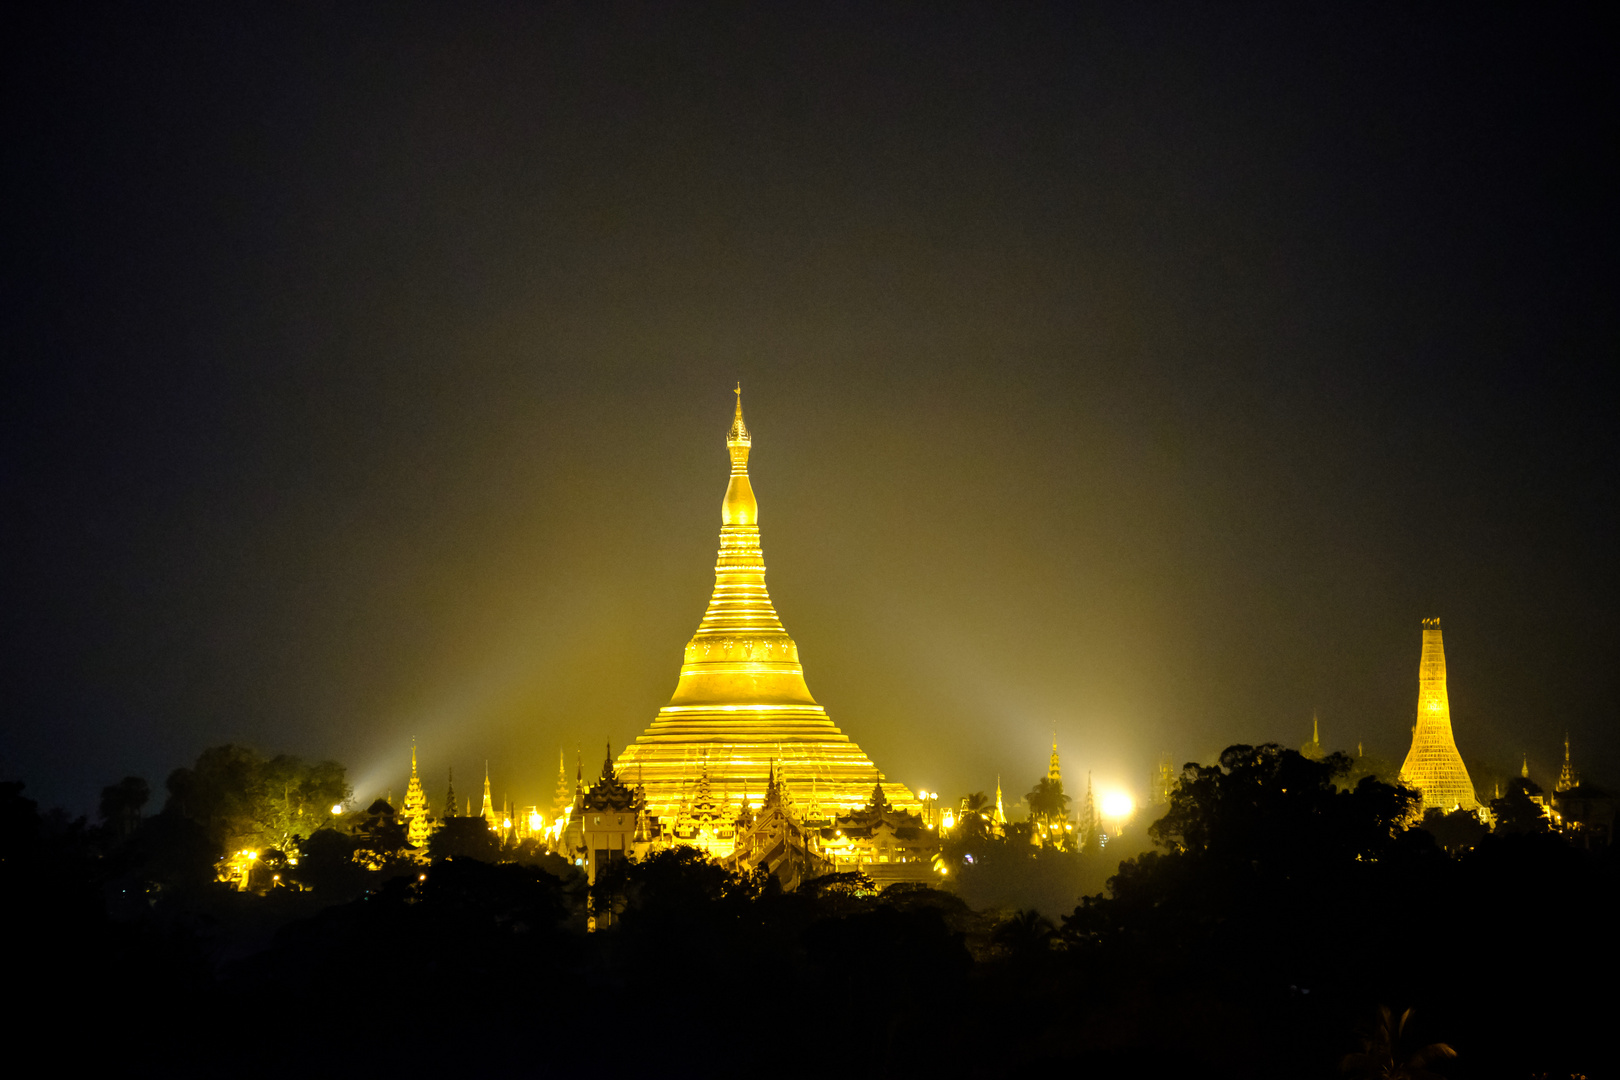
x=1054 y=772
x=415 y=811
x=1088 y=818
x=562 y=800
x=741 y=646
x=1566 y=778
x=1433 y=765
x=1524 y=768
x=488 y=813
x=740 y=508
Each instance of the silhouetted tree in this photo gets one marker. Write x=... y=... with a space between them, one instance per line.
x=246 y=802
x=381 y=839
x=1265 y=802
x=973 y=818
x=1516 y=812
x=1047 y=804
x=465 y=838
x=327 y=867
x=121 y=805
x=1456 y=831
x=1024 y=933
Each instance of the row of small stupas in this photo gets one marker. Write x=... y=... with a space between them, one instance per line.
x=420 y=821
x=612 y=819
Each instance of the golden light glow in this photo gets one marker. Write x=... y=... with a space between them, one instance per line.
x=337 y=808
x=1117 y=805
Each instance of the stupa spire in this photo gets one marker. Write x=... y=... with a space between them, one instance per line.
x=415 y=811
x=1566 y=778
x=1088 y=818
x=488 y=812
x=1433 y=765
x=450 y=795
x=1054 y=771
x=563 y=799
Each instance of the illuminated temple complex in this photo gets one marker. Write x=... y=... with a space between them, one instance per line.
x=1433 y=765
x=741 y=723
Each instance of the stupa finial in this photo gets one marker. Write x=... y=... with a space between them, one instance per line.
x=738 y=435
x=739 y=506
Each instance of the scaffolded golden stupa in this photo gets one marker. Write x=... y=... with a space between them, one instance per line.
x=741 y=703
x=1433 y=765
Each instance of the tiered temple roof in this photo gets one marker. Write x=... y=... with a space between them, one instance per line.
x=419 y=826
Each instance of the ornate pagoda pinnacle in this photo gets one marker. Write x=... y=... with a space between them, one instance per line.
x=450 y=795
x=1433 y=765
x=741 y=697
x=415 y=811
x=1088 y=818
x=1000 y=820
x=1566 y=778
x=1054 y=771
x=488 y=813
x=563 y=799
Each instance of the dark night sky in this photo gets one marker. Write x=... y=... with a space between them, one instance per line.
x=1149 y=374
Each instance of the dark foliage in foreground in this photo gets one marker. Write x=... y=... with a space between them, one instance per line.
x=1260 y=938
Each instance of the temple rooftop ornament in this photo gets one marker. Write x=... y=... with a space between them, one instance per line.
x=1433 y=765
x=418 y=824
x=1566 y=777
x=741 y=702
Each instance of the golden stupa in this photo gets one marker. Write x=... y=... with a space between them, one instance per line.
x=1433 y=765
x=741 y=705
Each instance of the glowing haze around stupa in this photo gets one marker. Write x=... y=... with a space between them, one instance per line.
x=741 y=703
x=1433 y=765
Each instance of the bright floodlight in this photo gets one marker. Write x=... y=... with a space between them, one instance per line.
x=1117 y=804
x=337 y=808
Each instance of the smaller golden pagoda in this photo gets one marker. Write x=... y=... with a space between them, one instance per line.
x=1433 y=765
x=419 y=826
x=1566 y=777
x=497 y=820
